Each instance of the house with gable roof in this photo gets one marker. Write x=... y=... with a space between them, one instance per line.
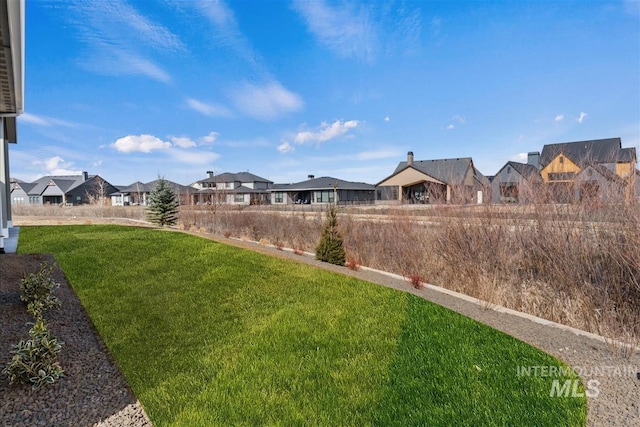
x=138 y=193
x=434 y=181
x=242 y=188
x=517 y=182
x=62 y=190
x=576 y=170
x=323 y=190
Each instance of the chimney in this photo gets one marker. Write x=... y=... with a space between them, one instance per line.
x=410 y=158
x=533 y=159
x=210 y=173
x=310 y=176
x=85 y=176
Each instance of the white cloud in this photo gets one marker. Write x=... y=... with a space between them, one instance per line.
x=140 y=143
x=460 y=119
x=44 y=121
x=266 y=102
x=208 y=109
x=182 y=141
x=120 y=40
x=96 y=163
x=582 y=117
x=378 y=154
x=348 y=31
x=387 y=119
x=520 y=158
x=285 y=147
x=194 y=157
x=450 y=127
x=56 y=165
x=559 y=118
x=326 y=132
x=227 y=32
x=210 y=138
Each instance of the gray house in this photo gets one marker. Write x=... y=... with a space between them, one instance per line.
x=434 y=181
x=138 y=193
x=517 y=182
x=242 y=188
x=63 y=189
x=323 y=190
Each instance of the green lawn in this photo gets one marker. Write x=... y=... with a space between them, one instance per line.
x=209 y=334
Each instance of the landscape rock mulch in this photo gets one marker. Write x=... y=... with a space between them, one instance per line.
x=94 y=392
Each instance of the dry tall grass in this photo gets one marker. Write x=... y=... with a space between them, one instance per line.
x=574 y=264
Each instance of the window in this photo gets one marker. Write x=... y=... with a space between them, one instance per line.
x=325 y=196
x=561 y=176
x=279 y=197
x=561 y=160
x=239 y=198
x=509 y=192
x=508 y=169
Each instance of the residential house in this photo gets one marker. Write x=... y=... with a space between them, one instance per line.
x=138 y=193
x=517 y=182
x=63 y=189
x=323 y=190
x=242 y=188
x=434 y=181
x=11 y=99
x=561 y=165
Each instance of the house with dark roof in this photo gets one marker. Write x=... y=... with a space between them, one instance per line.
x=561 y=164
x=138 y=193
x=242 y=188
x=434 y=181
x=62 y=190
x=323 y=190
x=517 y=182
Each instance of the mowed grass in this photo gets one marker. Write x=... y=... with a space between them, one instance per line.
x=208 y=334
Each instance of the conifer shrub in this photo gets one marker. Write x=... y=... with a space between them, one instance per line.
x=163 y=204
x=331 y=248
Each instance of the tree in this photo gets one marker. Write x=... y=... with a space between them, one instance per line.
x=330 y=248
x=163 y=204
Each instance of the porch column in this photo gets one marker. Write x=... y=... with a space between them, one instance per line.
x=5 y=191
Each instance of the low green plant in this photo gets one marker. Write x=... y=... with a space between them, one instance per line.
x=37 y=290
x=35 y=360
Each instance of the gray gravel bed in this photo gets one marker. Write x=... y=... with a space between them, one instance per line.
x=93 y=391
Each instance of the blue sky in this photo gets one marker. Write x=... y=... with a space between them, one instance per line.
x=133 y=90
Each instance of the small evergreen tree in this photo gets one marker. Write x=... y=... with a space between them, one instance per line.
x=330 y=248
x=163 y=204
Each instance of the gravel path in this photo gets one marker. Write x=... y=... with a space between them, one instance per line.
x=103 y=398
